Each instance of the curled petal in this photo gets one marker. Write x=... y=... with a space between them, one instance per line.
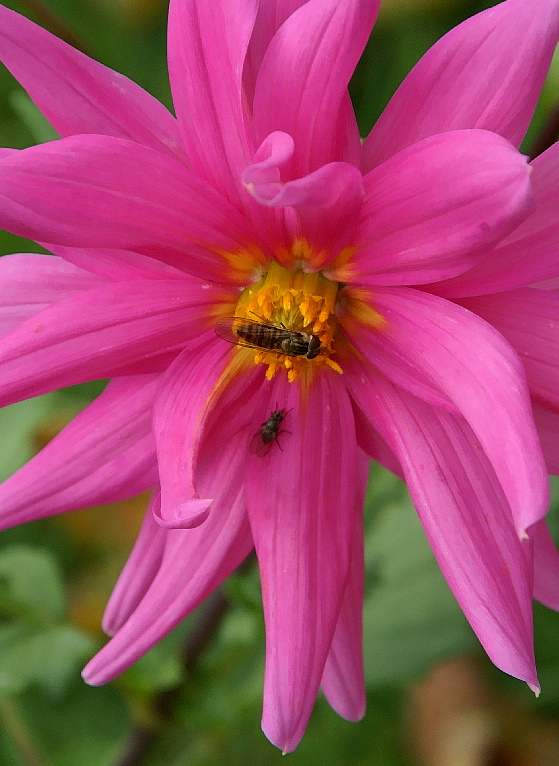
x=139 y=571
x=104 y=455
x=116 y=329
x=200 y=380
x=327 y=201
x=77 y=94
x=529 y=254
x=262 y=178
x=486 y=73
x=29 y=283
x=100 y=191
x=302 y=502
x=195 y=562
x=433 y=210
x=473 y=367
x=466 y=518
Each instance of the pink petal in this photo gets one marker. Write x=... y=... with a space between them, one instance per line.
x=77 y=94
x=110 y=330
x=327 y=201
x=29 y=283
x=302 y=82
x=303 y=509
x=477 y=370
x=529 y=253
x=192 y=386
x=99 y=191
x=138 y=573
x=207 y=88
x=117 y=265
x=269 y=19
x=435 y=209
x=546 y=566
x=466 y=518
x=486 y=73
x=195 y=563
x=343 y=680
x=528 y=320
x=104 y=455
x=372 y=443
x=547 y=423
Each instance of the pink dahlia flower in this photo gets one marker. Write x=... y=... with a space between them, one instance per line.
x=404 y=281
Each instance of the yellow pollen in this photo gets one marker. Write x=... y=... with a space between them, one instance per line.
x=297 y=308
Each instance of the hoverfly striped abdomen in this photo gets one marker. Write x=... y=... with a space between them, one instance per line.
x=261 y=335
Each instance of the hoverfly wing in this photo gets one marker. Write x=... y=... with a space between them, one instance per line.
x=226 y=329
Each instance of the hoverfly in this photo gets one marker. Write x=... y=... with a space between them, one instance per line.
x=268 y=433
x=255 y=333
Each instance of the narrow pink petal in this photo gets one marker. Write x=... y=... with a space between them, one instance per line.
x=29 y=283
x=302 y=82
x=372 y=443
x=303 y=509
x=528 y=319
x=105 y=454
x=466 y=518
x=99 y=191
x=433 y=210
x=546 y=566
x=269 y=19
x=547 y=423
x=192 y=386
x=327 y=201
x=195 y=563
x=548 y=284
x=477 y=370
x=138 y=573
x=77 y=94
x=207 y=88
x=486 y=73
x=117 y=265
x=111 y=330
x=529 y=253
x=343 y=680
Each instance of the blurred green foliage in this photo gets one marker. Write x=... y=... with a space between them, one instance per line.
x=48 y=717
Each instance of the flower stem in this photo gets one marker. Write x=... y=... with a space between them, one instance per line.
x=142 y=737
x=18 y=733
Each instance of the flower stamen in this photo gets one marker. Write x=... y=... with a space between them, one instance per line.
x=298 y=303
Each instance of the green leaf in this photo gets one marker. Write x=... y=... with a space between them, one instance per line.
x=31 y=583
x=411 y=618
x=17 y=424
x=39 y=127
x=48 y=656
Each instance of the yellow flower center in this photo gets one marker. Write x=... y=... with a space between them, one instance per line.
x=288 y=319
